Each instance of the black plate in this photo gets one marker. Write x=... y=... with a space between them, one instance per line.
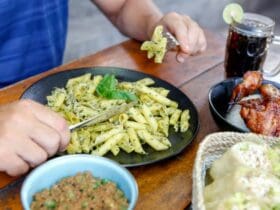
x=219 y=96
x=39 y=90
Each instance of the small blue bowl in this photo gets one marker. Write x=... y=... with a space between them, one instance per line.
x=54 y=170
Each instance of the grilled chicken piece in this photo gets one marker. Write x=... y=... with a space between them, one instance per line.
x=262 y=115
x=252 y=80
x=269 y=91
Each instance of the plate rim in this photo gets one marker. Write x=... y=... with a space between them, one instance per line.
x=103 y=68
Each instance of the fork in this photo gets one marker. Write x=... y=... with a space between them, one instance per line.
x=104 y=115
x=172 y=42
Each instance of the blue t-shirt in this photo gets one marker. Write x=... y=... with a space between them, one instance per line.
x=32 y=37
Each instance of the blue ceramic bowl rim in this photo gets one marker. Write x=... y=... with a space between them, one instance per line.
x=115 y=166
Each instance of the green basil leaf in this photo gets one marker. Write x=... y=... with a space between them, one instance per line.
x=106 y=85
x=107 y=88
x=119 y=94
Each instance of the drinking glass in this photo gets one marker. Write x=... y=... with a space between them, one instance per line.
x=247 y=45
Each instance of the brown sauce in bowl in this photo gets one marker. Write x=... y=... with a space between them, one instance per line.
x=81 y=192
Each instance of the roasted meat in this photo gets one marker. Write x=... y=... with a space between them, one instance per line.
x=269 y=91
x=252 y=80
x=262 y=115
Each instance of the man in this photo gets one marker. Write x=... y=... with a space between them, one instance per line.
x=33 y=35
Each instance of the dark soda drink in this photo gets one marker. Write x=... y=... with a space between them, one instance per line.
x=244 y=52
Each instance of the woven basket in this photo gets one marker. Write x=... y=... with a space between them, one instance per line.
x=211 y=148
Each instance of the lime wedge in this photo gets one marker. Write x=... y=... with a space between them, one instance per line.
x=233 y=13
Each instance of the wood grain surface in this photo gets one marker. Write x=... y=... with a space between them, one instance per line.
x=167 y=184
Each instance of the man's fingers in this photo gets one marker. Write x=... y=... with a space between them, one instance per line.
x=29 y=133
x=35 y=155
x=181 y=57
x=46 y=137
x=50 y=118
x=193 y=35
x=18 y=167
x=12 y=164
x=202 y=41
x=182 y=37
x=173 y=22
x=187 y=32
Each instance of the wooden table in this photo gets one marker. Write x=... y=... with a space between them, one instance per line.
x=167 y=184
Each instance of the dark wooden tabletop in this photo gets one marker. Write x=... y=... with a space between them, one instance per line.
x=163 y=185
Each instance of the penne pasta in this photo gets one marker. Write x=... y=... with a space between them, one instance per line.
x=135 y=141
x=136 y=115
x=125 y=144
x=146 y=99
x=104 y=136
x=78 y=80
x=149 y=117
x=95 y=81
x=156 y=96
x=163 y=125
x=184 y=122
x=104 y=104
x=146 y=81
x=115 y=150
x=156 y=108
x=102 y=127
x=163 y=140
x=111 y=142
x=162 y=91
x=149 y=139
x=123 y=118
x=126 y=85
x=175 y=117
x=135 y=125
x=74 y=145
x=58 y=98
x=148 y=122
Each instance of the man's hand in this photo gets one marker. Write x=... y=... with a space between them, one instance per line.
x=29 y=134
x=138 y=18
x=190 y=36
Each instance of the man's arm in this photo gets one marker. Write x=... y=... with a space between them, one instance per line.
x=138 y=18
x=134 y=18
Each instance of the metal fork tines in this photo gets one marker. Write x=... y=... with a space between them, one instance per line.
x=172 y=42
